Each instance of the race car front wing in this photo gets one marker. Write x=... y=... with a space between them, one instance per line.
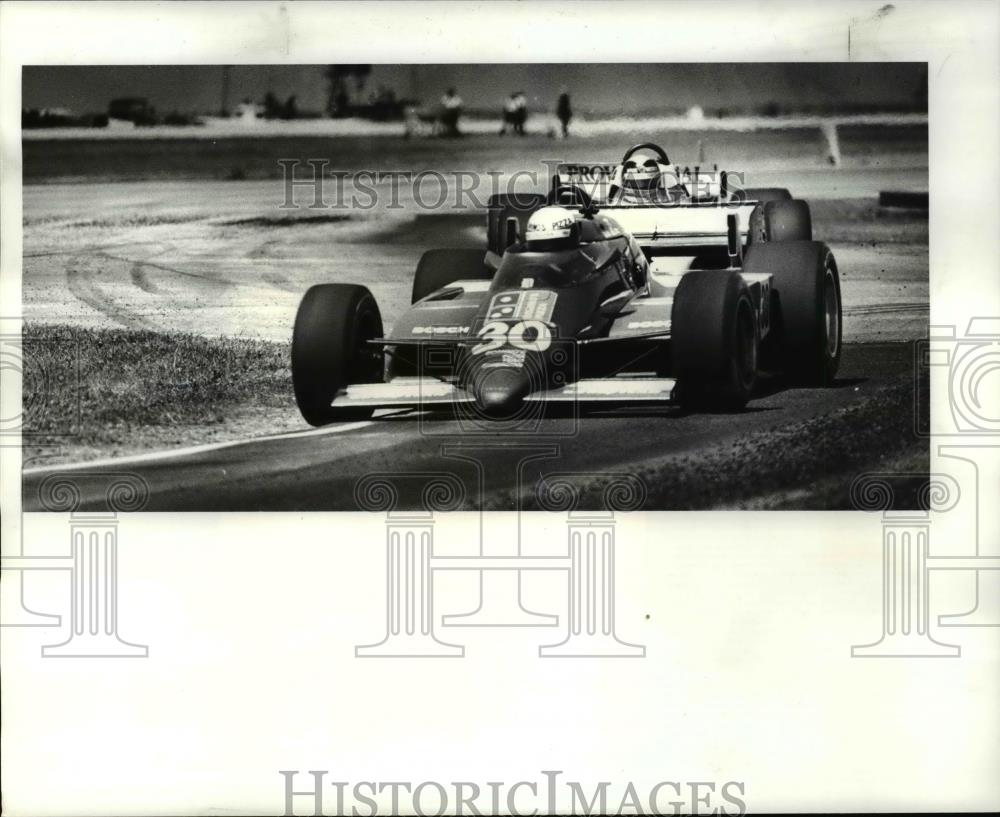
x=419 y=392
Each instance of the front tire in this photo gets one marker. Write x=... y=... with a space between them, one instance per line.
x=807 y=314
x=329 y=350
x=714 y=341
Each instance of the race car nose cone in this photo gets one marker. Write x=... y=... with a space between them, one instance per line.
x=499 y=391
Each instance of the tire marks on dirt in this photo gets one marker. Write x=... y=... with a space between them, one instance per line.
x=82 y=283
x=141 y=279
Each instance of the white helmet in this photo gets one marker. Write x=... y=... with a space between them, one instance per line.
x=641 y=172
x=550 y=224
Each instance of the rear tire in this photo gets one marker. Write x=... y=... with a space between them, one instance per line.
x=329 y=351
x=714 y=341
x=438 y=268
x=766 y=194
x=807 y=316
x=776 y=221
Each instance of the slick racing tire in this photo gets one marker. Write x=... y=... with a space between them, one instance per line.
x=776 y=221
x=329 y=351
x=438 y=268
x=806 y=317
x=714 y=341
x=503 y=206
x=766 y=194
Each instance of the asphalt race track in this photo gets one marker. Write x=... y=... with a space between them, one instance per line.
x=215 y=258
x=773 y=454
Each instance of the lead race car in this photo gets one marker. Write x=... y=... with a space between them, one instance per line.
x=636 y=282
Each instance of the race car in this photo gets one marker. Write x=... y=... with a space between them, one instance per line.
x=640 y=286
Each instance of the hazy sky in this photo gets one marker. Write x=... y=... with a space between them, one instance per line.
x=604 y=89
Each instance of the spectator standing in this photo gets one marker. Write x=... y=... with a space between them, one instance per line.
x=451 y=104
x=521 y=112
x=509 y=114
x=564 y=113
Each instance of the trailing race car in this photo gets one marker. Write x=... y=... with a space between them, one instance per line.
x=626 y=283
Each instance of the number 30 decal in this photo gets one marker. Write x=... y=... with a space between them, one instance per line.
x=531 y=336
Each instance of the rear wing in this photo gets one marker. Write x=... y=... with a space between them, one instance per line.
x=600 y=180
x=696 y=219
x=681 y=226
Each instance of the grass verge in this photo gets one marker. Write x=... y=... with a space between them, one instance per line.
x=91 y=393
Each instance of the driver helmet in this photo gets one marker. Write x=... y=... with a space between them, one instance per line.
x=641 y=172
x=551 y=228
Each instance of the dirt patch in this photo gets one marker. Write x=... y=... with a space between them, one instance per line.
x=124 y=220
x=286 y=221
